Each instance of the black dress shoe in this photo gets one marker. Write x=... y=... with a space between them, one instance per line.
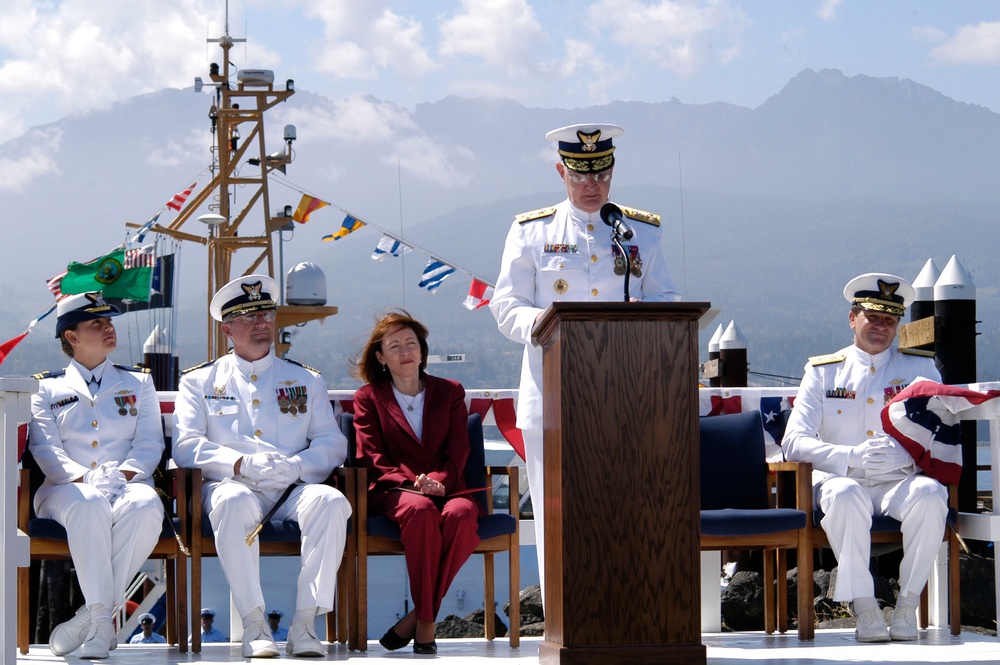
x=392 y=641
x=425 y=648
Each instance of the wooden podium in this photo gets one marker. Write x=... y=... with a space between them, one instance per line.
x=622 y=566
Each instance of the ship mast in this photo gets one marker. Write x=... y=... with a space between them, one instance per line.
x=237 y=117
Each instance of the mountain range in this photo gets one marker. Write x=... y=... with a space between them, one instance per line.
x=767 y=212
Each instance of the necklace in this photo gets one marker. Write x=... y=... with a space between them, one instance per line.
x=409 y=403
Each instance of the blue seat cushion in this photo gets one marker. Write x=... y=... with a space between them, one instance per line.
x=52 y=530
x=740 y=522
x=490 y=526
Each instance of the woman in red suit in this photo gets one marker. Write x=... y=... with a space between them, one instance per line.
x=412 y=437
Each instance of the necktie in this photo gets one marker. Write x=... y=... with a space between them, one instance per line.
x=94 y=384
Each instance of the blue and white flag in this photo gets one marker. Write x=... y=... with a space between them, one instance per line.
x=389 y=246
x=434 y=273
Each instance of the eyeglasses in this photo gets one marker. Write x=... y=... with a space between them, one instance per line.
x=602 y=178
x=268 y=315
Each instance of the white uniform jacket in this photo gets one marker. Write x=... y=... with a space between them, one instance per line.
x=72 y=432
x=565 y=254
x=839 y=405
x=232 y=407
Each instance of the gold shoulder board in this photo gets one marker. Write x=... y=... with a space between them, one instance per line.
x=641 y=215
x=295 y=362
x=918 y=352
x=42 y=375
x=828 y=359
x=535 y=214
x=139 y=369
x=191 y=369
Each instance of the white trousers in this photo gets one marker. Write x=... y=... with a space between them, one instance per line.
x=108 y=543
x=918 y=502
x=533 y=461
x=321 y=512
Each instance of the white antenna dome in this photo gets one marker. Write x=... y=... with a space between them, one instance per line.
x=305 y=284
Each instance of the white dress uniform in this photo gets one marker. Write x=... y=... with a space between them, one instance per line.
x=838 y=406
x=72 y=432
x=233 y=407
x=565 y=254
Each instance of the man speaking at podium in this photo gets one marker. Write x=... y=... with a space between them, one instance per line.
x=566 y=253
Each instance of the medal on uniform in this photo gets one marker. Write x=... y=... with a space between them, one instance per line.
x=619 y=266
x=637 y=265
x=126 y=401
x=284 y=404
x=560 y=286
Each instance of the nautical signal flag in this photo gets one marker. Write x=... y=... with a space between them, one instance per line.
x=308 y=205
x=479 y=294
x=435 y=272
x=119 y=274
x=178 y=200
x=389 y=246
x=9 y=345
x=350 y=225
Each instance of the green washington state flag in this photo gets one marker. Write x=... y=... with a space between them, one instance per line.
x=120 y=274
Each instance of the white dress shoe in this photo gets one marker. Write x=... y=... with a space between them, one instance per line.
x=871 y=627
x=258 y=642
x=69 y=635
x=99 y=639
x=302 y=640
x=903 y=626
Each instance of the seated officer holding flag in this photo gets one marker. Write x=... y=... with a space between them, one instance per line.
x=858 y=472
x=95 y=433
x=257 y=425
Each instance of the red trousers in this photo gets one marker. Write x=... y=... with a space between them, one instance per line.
x=438 y=537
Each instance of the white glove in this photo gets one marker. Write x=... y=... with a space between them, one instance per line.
x=255 y=466
x=107 y=478
x=885 y=456
x=285 y=472
x=857 y=454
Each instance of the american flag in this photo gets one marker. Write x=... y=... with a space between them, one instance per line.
x=141 y=257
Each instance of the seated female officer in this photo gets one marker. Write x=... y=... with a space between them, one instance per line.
x=96 y=435
x=412 y=434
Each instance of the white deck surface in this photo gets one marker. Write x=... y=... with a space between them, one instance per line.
x=830 y=646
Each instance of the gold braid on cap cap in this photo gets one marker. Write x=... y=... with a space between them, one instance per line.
x=589 y=165
x=887 y=301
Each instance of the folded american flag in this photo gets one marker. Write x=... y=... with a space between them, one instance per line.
x=924 y=418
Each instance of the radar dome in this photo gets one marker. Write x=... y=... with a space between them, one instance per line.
x=305 y=284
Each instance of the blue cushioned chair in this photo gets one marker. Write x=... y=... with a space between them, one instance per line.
x=48 y=541
x=379 y=535
x=886 y=535
x=278 y=538
x=738 y=510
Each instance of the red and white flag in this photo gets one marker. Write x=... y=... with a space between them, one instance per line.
x=54 y=284
x=925 y=419
x=140 y=257
x=479 y=295
x=179 y=198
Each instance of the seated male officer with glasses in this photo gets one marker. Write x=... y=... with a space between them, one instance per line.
x=256 y=424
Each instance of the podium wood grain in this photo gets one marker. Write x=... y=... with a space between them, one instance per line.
x=621 y=483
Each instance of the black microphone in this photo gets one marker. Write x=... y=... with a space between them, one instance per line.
x=612 y=216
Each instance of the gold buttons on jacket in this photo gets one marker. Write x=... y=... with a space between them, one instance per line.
x=871 y=433
x=256 y=433
x=593 y=292
x=93 y=465
x=93 y=443
x=590 y=227
x=93 y=423
x=256 y=402
x=253 y=377
x=593 y=258
x=873 y=369
x=871 y=401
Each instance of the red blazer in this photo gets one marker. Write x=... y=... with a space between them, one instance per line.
x=391 y=452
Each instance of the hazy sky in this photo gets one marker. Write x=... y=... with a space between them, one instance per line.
x=63 y=56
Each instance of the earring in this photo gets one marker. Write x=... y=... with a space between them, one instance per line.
x=383 y=367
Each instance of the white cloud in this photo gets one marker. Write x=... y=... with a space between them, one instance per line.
x=828 y=11
x=174 y=153
x=16 y=173
x=63 y=57
x=357 y=119
x=678 y=35
x=502 y=33
x=972 y=45
x=366 y=38
x=425 y=159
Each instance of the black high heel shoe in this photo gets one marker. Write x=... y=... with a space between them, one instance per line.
x=425 y=648
x=392 y=641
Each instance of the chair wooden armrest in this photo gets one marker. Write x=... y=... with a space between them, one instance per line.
x=801 y=473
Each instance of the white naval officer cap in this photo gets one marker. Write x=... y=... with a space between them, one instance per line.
x=143 y=618
x=586 y=148
x=275 y=613
x=207 y=612
x=81 y=307
x=880 y=292
x=248 y=293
